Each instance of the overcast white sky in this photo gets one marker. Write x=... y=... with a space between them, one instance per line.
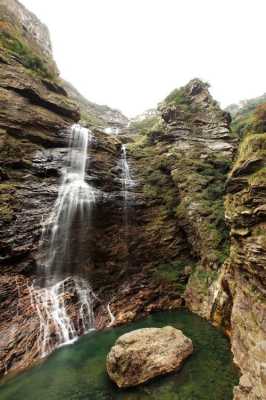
x=130 y=54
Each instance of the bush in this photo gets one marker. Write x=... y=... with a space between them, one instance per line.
x=177 y=97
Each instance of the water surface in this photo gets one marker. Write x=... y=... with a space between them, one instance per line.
x=77 y=372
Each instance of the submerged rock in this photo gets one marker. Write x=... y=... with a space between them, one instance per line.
x=143 y=354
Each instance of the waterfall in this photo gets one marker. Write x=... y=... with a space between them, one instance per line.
x=63 y=299
x=127 y=184
x=111 y=130
x=72 y=210
x=127 y=181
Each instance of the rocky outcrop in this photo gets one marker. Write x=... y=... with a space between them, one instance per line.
x=244 y=115
x=242 y=289
x=188 y=154
x=95 y=115
x=13 y=12
x=25 y=38
x=222 y=268
x=35 y=114
x=141 y=355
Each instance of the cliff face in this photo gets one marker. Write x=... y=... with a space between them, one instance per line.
x=34 y=110
x=190 y=231
x=242 y=282
x=35 y=114
x=36 y=33
x=245 y=212
x=213 y=190
x=183 y=161
x=95 y=115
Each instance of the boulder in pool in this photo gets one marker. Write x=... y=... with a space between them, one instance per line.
x=143 y=354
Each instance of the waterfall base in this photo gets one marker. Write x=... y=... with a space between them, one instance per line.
x=65 y=312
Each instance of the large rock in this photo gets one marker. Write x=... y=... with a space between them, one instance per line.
x=143 y=354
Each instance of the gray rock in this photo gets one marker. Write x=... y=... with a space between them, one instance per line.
x=143 y=354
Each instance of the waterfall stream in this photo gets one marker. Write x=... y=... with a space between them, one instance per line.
x=64 y=300
x=62 y=297
x=127 y=184
x=71 y=213
x=127 y=181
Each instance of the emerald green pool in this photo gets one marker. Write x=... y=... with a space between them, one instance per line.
x=77 y=372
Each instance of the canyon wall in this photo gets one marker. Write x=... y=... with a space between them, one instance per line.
x=242 y=279
x=35 y=115
x=214 y=189
x=192 y=232
x=35 y=111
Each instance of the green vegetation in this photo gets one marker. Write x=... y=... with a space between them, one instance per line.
x=172 y=273
x=25 y=54
x=259 y=230
x=206 y=181
x=202 y=182
x=177 y=97
x=90 y=119
x=259 y=124
x=187 y=184
x=14 y=150
x=7 y=192
x=146 y=125
x=181 y=101
x=182 y=98
x=159 y=186
x=258 y=178
x=202 y=279
x=251 y=117
x=252 y=147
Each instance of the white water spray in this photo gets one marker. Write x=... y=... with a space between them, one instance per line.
x=61 y=323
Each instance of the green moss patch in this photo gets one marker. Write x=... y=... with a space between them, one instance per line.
x=7 y=200
x=172 y=273
x=24 y=53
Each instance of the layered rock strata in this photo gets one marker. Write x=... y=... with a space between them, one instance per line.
x=180 y=246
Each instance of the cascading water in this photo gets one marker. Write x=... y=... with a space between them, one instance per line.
x=71 y=212
x=127 y=184
x=63 y=299
x=127 y=181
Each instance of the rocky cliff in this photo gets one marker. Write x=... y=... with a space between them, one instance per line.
x=184 y=159
x=191 y=231
x=242 y=279
x=213 y=189
x=35 y=115
x=95 y=115
x=35 y=110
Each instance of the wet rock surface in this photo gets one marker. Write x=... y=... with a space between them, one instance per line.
x=141 y=355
